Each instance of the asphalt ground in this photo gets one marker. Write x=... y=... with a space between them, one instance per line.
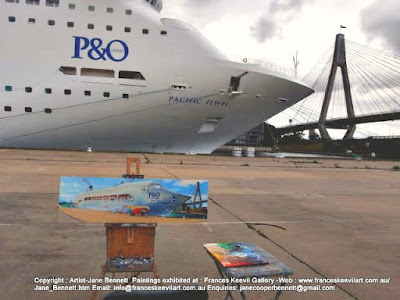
x=323 y=218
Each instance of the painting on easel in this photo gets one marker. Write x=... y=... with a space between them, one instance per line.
x=237 y=254
x=115 y=200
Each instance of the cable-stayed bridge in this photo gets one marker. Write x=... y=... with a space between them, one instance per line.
x=354 y=84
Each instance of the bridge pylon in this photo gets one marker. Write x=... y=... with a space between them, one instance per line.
x=339 y=60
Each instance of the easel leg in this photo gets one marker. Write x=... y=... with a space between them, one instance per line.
x=242 y=293
x=228 y=293
x=134 y=274
x=155 y=271
x=278 y=294
x=102 y=275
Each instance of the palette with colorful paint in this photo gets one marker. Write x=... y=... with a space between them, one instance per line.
x=237 y=254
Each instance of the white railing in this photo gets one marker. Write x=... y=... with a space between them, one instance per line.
x=263 y=64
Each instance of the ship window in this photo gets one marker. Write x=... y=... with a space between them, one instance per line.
x=70 y=24
x=48 y=110
x=235 y=83
x=110 y=10
x=127 y=29
x=7 y=108
x=11 y=19
x=28 y=89
x=106 y=94
x=131 y=75
x=28 y=109
x=109 y=28
x=145 y=31
x=8 y=88
x=88 y=93
x=209 y=125
x=71 y=6
x=164 y=32
x=97 y=73
x=68 y=70
x=51 y=22
x=67 y=92
x=12 y=1
x=128 y=12
x=33 y=2
x=91 y=8
x=31 y=20
x=48 y=91
x=155 y=185
x=126 y=96
x=178 y=87
x=90 y=26
x=53 y=3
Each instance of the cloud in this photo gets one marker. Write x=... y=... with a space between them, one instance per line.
x=263 y=29
x=381 y=21
x=279 y=13
x=203 y=3
x=265 y=18
x=204 y=12
x=286 y=5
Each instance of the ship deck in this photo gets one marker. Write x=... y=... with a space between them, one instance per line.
x=323 y=218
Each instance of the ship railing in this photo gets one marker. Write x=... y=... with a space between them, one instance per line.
x=263 y=64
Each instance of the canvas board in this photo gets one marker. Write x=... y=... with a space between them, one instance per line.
x=148 y=200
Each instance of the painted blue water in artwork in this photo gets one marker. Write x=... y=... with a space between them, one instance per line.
x=156 y=197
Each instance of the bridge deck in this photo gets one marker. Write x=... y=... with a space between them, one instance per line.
x=342 y=123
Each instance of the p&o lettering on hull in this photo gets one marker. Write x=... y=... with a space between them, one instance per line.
x=115 y=50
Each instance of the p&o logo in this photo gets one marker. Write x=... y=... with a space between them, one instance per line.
x=116 y=50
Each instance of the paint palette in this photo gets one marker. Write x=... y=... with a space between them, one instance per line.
x=237 y=254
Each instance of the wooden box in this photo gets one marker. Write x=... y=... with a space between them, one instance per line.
x=130 y=247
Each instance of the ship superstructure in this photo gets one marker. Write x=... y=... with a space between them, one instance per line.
x=151 y=195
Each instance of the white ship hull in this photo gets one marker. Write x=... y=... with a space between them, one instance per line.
x=157 y=116
x=160 y=209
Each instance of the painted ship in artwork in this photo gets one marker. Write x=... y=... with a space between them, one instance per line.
x=162 y=198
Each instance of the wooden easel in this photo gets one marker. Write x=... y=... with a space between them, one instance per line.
x=129 y=173
x=130 y=249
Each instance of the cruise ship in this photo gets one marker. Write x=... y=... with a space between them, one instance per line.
x=150 y=196
x=116 y=76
